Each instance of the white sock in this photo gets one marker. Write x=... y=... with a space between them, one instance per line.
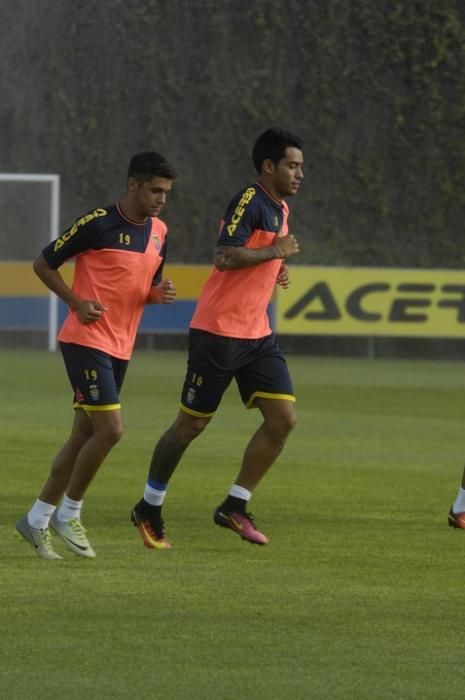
x=240 y=492
x=69 y=509
x=154 y=496
x=40 y=514
x=459 y=504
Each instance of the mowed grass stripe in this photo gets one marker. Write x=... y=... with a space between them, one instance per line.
x=358 y=594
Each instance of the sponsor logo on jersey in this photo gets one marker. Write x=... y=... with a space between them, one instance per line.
x=246 y=198
x=65 y=237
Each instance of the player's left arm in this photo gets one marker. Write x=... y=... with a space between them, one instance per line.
x=236 y=257
x=283 y=279
x=162 y=291
x=243 y=216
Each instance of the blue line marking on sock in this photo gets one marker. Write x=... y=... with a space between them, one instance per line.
x=156 y=485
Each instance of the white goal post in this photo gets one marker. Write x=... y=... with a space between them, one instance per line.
x=54 y=181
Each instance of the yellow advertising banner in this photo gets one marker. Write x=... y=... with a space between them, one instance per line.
x=17 y=278
x=372 y=301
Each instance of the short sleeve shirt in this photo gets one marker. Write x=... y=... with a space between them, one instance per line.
x=234 y=303
x=117 y=261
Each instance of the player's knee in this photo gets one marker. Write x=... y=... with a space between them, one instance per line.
x=292 y=421
x=112 y=435
x=108 y=427
x=194 y=429
x=189 y=427
x=288 y=423
x=282 y=425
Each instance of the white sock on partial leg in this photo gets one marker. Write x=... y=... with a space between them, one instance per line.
x=69 y=510
x=155 y=495
x=240 y=492
x=459 y=503
x=40 y=514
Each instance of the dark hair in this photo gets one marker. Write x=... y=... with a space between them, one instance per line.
x=144 y=166
x=272 y=144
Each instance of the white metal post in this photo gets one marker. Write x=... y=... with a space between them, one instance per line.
x=54 y=231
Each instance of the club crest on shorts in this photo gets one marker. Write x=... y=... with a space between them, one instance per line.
x=94 y=392
x=190 y=395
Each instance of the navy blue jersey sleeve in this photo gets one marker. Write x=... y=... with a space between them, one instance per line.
x=158 y=276
x=80 y=237
x=240 y=219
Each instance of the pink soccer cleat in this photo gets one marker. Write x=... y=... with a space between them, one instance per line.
x=242 y=523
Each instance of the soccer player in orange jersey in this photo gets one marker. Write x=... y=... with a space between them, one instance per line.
x=119 y=253
x=230 y=337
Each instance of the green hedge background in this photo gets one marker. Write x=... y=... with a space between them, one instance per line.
x=375 y=87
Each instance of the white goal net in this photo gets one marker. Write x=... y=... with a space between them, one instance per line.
x=30 y=206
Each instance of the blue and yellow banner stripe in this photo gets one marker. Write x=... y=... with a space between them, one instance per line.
x=24 y=299
x=18 y=279
x=320 y=301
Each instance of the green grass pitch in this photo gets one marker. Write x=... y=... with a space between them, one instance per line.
x=358 y=596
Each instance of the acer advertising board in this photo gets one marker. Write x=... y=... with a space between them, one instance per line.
x=372 y=301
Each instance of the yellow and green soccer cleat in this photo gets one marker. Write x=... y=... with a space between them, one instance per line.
x=41 y=540
x=73 y=535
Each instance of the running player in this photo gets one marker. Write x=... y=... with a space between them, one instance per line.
x=230 y=337
x=119 y=254
x=456 y=515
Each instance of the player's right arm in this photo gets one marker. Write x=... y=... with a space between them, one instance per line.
x=75 y=240
x=87 y=311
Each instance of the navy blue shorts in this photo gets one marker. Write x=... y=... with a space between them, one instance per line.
x=258 y=366
x=95 y=376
